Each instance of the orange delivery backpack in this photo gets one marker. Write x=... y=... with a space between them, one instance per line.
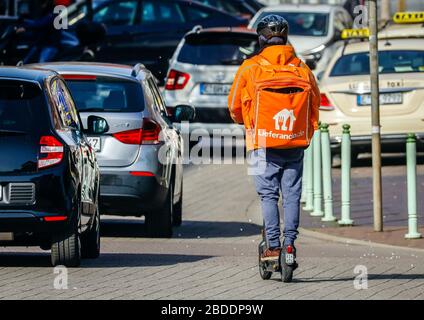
x=282 y=105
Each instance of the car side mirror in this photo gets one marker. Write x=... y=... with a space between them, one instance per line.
x=184 y=113
x=96 y=125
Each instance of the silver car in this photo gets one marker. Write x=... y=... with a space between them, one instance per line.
x=313 y=28
x=201 y=73
x=140 y=155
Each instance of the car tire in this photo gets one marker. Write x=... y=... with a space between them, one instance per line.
x=159 y=224
x=66 y=249
x=177 y=219
x=90 y=240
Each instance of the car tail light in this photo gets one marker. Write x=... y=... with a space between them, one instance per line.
x=55 y=218
x=151 y=131
x=176 y=80
x=79 y=77
x=51 y=152
x=148 y=134
x=142 y=174
x=325 y=104
x=129 y=137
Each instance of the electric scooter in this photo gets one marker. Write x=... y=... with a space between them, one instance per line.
x=285 y=264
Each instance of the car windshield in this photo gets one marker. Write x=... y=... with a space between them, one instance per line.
x=233 y=7
x=210 y=49
x=398 y=61
x=104 y=94
x=302 y=23
x=21 y=106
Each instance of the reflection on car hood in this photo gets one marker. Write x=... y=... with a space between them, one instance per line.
x=302 y=43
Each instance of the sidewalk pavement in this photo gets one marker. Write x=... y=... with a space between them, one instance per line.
x=395 y=214
x=395 y=209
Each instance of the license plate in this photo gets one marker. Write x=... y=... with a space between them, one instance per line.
x=289 y=258
x=96 y=143
x=6 y=236
x=385 y=98
x=215 y=89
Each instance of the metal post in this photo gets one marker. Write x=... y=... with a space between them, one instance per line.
x=309 y=172
x=375 y=118
x=411 y=162
x=326 y=174
x=346 y=163
x=317 y=212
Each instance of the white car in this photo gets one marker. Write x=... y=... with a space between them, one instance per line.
x=313 y=28
x=345 y=94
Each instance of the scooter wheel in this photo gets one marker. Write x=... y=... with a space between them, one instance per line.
x=265 y=275
x=286 y=273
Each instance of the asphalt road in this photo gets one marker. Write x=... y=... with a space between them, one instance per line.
x=212 y=256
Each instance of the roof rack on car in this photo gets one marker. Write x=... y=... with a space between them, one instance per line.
x=136 y=69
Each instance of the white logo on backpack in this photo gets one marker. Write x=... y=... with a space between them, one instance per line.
x=281 y=119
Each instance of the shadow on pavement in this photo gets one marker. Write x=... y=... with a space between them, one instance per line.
x=189 y=230
x=393 y=276
x=27 y=259
x=106 y=260
x=119 y=260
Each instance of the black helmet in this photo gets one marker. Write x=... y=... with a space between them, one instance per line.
x=273 y=26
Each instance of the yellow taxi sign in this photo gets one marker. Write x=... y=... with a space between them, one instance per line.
x=408 y=17
x=355 y=33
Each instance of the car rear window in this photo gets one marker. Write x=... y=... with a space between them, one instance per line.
x=105 y=94
x=22 y=107
x=389 y=62
x=310 y=24
x=217 y=49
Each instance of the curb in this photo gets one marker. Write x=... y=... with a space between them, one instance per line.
x=344 y=240
x=253 y=215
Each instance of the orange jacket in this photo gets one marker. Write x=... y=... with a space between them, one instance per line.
x=243 y=90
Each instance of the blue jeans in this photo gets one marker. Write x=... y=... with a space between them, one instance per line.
x=279 y=170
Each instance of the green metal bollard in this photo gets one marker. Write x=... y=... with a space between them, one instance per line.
x=346 y=164
x=317 y=212
x=411 y=162
x=309 y=177
x=304 y=180
x=326 y=175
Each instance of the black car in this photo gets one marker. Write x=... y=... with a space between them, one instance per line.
x=49 y=177
x=148 y=31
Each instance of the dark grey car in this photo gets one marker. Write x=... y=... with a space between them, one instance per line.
x=140 y=155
